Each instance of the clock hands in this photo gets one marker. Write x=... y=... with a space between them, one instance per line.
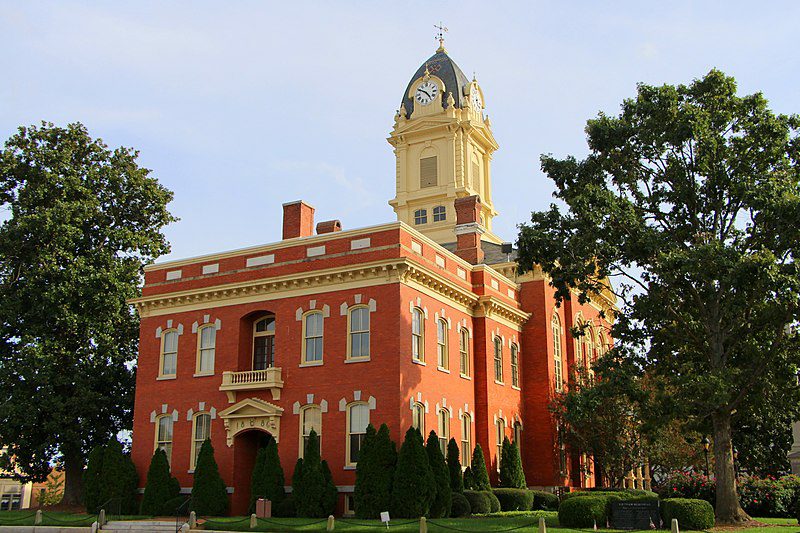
x=423 y=91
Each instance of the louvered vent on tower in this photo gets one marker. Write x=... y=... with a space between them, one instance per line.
x=427 y=172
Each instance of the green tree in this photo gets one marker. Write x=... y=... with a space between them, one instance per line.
x=440 y=506
x=374 y=473
x=93 y=493
x=313 y=490
x=118 y=479
x=469 y=480
x=511 y=473
x=258 y=484
x=81 y=222
x=160 y=487
x=454 y=467
x=691 y=199
x=273 y=473
x=209 y=494
x=413 y=489
x=479 y=476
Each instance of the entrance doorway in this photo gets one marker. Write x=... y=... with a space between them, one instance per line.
x=245 y=447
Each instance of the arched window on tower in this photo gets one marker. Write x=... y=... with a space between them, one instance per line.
x=439 y=213
x=420 y=216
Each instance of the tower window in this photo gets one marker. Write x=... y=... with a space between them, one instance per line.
x=439 y=213
x=421 y=216
x=428 y=172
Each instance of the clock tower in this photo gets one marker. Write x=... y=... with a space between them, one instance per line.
x=443 y=146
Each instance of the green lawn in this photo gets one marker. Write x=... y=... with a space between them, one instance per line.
x=27 y=517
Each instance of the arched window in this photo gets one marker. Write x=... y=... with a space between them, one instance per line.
x=498 y=359
x=421 y=216
x=312 y=337
x=444 y=429
x=418 y=335
x=418 y=417
x=514 y=365
x=169 y=353
x=264 y=343
x=441 y=344
x=357 y=422
x=439 y=213
x=201 y=430
x=358 y=325
x=164 y=435
x=518 y=435
x=588 y=346
x=578 y=349
x=310 y=418
x=500 y=434
x=463 y=350
x=466 y=439
x=206 y=342
x=558 y=361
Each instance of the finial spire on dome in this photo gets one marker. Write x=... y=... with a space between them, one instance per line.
x=440 y=36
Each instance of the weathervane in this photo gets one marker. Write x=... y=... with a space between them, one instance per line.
x=440 y=36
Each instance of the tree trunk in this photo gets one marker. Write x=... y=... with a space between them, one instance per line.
x=73 y=479
x=728 y=510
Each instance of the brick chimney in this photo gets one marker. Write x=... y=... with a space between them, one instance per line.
x=469 y=229
x=298 y=220
x=329 y=226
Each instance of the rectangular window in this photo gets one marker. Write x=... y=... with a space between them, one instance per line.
x=441 y=342
x=359 y=332
x=313 y=337
x=498 y=359
x=514 y=365
x=463 y=351
x=169 y=353
x=428 y=172
x=205 y=359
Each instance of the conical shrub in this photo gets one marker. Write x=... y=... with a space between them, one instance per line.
x=440 y=506
x=511 y=473
x=209 y=495
x=413 y=488
x=454 y=467
x=480 y=476
x=160 y=487
x=377 y=460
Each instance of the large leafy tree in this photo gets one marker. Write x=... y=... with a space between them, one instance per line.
x=689 y=201
x=80 y=221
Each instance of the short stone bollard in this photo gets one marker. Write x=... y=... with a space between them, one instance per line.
x=675 y=526
x=331 y=524
x=95 y=527
x=423 y=525
x=542 y=525
x=185 y=528
x=38 y=520
x=101 y=520
x=192 y=520
x=253 y=521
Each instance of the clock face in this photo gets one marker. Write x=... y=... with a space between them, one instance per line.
x=426 y=92
x=477 y=103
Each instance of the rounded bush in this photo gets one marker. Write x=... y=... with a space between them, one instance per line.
x=583 y=512
x=691 y=514
x=460 y=506
x=514 y=499
x=285 y=508
x=479 y=501
x=171 y=506
x=544 y=501
x=494 y=503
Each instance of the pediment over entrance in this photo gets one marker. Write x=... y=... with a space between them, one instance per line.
x=252 y=414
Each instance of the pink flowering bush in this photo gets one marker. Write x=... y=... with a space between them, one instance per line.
x=769 y=496
x=688 y=485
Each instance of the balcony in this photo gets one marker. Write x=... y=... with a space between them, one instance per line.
x=249 y=380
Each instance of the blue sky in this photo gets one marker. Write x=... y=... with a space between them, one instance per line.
x=240 y=106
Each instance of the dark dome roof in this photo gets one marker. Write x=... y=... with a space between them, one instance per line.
x=444 y=68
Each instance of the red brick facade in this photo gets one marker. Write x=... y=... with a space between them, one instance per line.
x=389 y=271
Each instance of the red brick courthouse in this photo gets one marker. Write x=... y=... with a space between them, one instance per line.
x=423 y=321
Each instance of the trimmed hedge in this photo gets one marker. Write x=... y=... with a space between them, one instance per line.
x=171 y=506
x=544 y=501
x=478 y=501
x=494 y=503
x=285 y=508
x=460 y=506
x=691 y=514
x=514 y=499
x=583 y=512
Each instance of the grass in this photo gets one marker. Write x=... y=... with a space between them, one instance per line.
x=27 y=517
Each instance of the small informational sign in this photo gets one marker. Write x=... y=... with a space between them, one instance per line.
x=635 y=515
x=385 y=518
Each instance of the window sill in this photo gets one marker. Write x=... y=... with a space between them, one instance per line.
x=465 y=376
x=311 y=363
x=515 y=387
x=418 y=362
x=499 y=383
x=443 y=369
x=357 y=360
x=164 y=378
x=349 y=467
x=203 y=374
